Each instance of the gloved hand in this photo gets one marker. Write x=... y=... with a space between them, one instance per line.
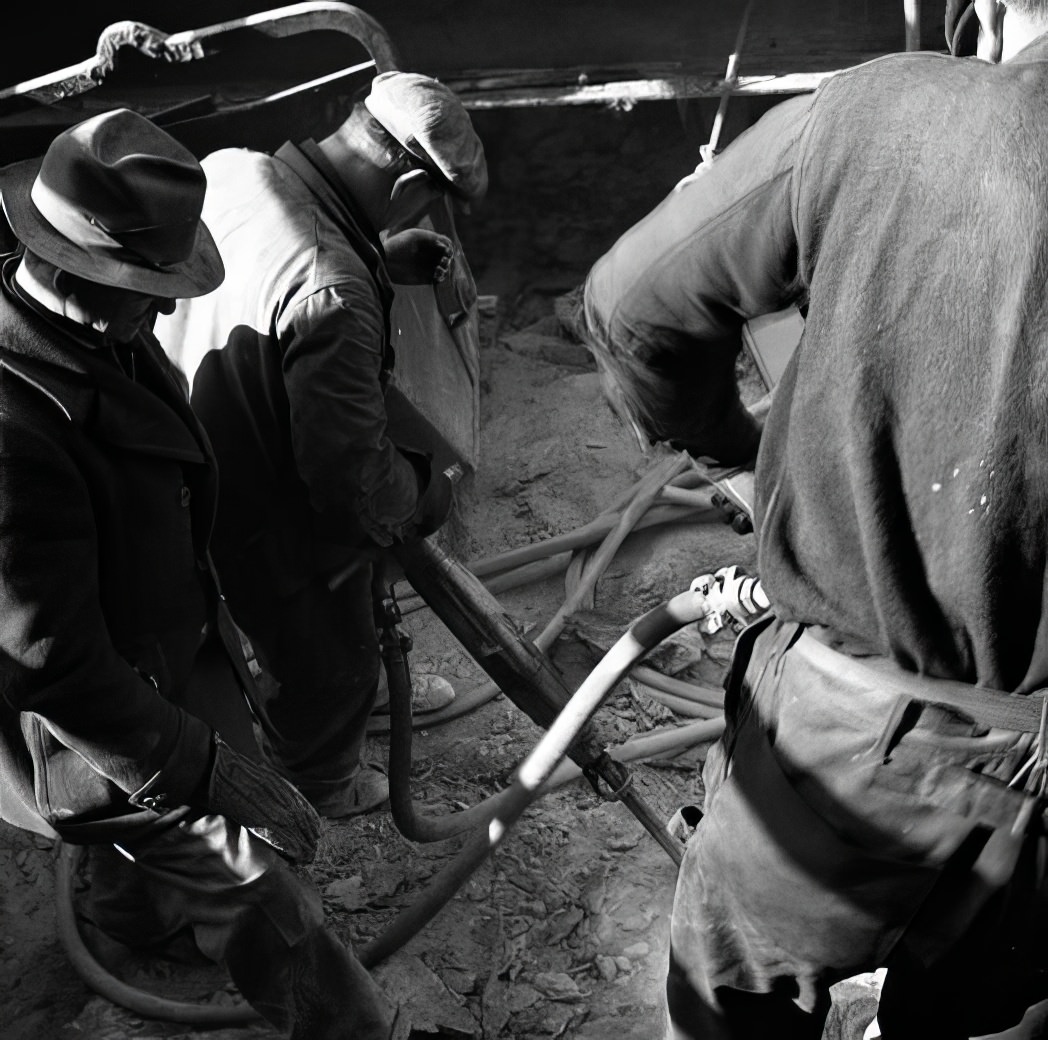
x=418 y=256
x=257 y=797
x=434 y=505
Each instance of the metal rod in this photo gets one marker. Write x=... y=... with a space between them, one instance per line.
x=912 y=12
x=731 y=77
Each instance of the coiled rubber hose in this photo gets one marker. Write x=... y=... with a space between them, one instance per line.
x=543 y=770
x=533 y=777
x=538 y=774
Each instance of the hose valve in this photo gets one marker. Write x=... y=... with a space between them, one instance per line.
x=731 y=597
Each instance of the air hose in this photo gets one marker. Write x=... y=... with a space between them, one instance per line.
x=537 y=775
x=533 y=776
x=103 y=982
x=543 y=770
x=415 y=826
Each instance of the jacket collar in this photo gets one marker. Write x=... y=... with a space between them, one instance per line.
x=91 y=391
x=314 y=168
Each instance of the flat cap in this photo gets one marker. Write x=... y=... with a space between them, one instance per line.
x=431 y=123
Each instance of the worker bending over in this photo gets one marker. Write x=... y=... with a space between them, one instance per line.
x=877 y=798
x=118 y=667
x=294 y=360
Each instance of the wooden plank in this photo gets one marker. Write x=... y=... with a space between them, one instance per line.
x=625 y=94
x=441 y=37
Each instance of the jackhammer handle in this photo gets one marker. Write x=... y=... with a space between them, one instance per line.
x=494 y=640
x=619 y=779
x=519 y=668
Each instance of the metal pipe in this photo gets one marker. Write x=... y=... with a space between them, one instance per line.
x=912 y=13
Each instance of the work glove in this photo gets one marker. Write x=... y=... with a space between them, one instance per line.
x=434 y=505
x=418 y=256
x=257 y=797
x=250 y=793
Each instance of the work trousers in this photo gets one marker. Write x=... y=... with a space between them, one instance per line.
x=245 y=907
x=183 y=874
x=318 y=650
x=851 y=826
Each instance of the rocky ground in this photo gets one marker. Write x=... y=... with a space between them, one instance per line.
x=562 y=931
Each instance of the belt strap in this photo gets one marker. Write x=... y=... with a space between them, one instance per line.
x=988 y=707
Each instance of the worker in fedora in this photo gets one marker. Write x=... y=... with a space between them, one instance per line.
x=878 y=798
x=122 y=716
x=290 y=361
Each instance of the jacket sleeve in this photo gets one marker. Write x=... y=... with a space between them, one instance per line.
x=663 y=309
x=57 y=660
x=332 y=370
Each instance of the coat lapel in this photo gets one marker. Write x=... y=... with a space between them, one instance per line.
x=132 y=417
x=95 y=395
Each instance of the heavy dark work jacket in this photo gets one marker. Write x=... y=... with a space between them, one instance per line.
x=902 y=478
x=107 y=493
x=288 y=361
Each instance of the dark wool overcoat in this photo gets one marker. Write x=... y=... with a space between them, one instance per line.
x=107 y=492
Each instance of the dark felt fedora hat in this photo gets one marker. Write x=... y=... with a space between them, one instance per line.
x=116 y=200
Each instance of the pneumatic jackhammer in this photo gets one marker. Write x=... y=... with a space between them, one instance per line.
x=519 y=668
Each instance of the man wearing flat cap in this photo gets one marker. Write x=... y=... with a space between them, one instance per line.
x=291 y=386
x=123 y=720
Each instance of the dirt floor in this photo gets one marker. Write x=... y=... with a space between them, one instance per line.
x=562 y=931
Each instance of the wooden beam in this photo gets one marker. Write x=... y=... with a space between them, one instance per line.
x=624 y=94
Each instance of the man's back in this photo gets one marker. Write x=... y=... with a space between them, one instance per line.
x=290 y=312
x=903 y=476
x=856 y=815
x=283 y=247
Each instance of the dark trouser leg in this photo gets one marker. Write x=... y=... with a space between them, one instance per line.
x=735 y=1015
x=918 y=1005
x=319 y=650
x=860 y=828
x=946 y=1003
x=251 y=911
x=315 y=988
x=118 y=901
x=993 y=979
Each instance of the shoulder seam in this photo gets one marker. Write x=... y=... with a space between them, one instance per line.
x=37 y=386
